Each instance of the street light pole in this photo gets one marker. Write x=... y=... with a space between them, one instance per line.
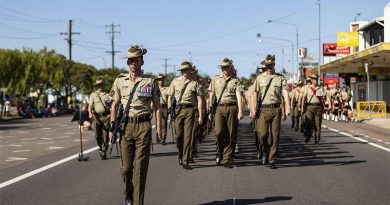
x=259 y=36
x=319 y=40
x=297 y=45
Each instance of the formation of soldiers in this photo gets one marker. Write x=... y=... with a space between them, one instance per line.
x=191 y=106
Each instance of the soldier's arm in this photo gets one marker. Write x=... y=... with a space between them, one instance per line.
x=253 y=104
x=240 y=105
x=157 y=108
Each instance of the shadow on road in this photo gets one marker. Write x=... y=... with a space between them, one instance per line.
x=249 y=201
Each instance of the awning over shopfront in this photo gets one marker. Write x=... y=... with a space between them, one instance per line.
x=378 y=58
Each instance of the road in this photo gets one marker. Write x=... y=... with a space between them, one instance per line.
x=341 y=170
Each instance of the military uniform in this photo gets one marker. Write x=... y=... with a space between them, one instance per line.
x=137 y=138
x=345 y=98
x=314 y=95
x=99 y=104
x=164 y=111
x=268 y=123
x=185 y=113
x=226 y=122
x=303 y=111
x=295 y=111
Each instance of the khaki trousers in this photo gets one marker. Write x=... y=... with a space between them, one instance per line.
x=268 y=130
x=195 y=133
x=135 y=154
x=164 y=122
x=296 y=116
x=101 y=132
x=313 y=121
x=184 y=124
x=226 y=124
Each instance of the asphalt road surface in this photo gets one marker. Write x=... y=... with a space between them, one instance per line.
x=341 y=170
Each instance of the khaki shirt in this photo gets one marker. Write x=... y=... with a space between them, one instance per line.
x=229 y=95
x=334 y=93
x=309 y=94
x=147 y=90
x=190 y=94
x=164 y=96
x=99 y=106
x=274 y=93
x=345 y=96
x=295 y=93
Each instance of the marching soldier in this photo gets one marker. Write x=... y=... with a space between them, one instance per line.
x=314 y=95
x=99 y=110
x=136 y=92
x=164 y=108
x=196 y=130
x=271 y=87
x=302 y=105
x=294 y=105
x=327 y=103
x=228 y=91
x=345 y=96
x=189 y=97
x=335 y=103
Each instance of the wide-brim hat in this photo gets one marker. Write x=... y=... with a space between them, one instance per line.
x=135 y=51
x=314 y=76
x=226 y=62
x=160 y=77
x=99 y=81
x=269 y=60
x=185 y=65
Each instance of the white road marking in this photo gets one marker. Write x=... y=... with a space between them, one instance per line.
x=380 y=140
x=69 y=133
x=25 y=150
x=29 y=174
x=44 y=143
x=51 y=148
x=61 y=137
x=46 y=138
x=78 y=140
x=45 y=128
x=15 y=145
x=10 y=159
x=28 y=139
x=361 y=140
x=387 y=142
x=367 y=136
x=21 y=132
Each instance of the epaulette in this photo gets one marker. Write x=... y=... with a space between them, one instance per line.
x=122 y=75
x=279 y=74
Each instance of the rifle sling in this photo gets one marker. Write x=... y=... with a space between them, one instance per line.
x=105 y=109
x=223 y=90
x=182 y=91
x=126 y=114
x=266 y=90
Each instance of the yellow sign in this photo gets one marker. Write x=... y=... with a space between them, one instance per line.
x=347 y=39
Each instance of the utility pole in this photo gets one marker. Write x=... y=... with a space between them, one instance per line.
x=319 y=41
x=166 y=64
x=112 y=36
x=69 y=40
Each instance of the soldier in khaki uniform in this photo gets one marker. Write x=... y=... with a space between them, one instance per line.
x=268 y=123
x=228 y=112
x=189 y=97
x=314 y=95
x=301 y=104
x=296 y=115
x=196 y=130
x=345 y=96
x=164 y=108
x=99 y=109
x=137 y=138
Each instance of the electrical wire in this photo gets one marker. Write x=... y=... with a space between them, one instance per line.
x=29 y=38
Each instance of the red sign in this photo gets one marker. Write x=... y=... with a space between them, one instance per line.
x=331 y=49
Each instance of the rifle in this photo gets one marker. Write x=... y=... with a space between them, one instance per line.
x=211 y=114
x=120 y=117
x=117 y=132
x=171 y=113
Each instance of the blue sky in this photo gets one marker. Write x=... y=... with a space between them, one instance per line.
x=203 y=31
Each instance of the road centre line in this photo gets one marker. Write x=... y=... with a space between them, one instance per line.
x=358 y=138
x=34 y=172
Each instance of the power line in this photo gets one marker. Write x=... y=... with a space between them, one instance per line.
x=23 y=30
x=41 y=19
x=112 y=36
x=28 y=38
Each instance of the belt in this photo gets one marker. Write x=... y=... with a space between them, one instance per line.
x=228 y=104
x=102 y=114
x=271 y=105
x=136 y=120
x=315 y=104
x=184 y=106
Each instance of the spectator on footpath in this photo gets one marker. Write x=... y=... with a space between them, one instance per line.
x=84 y=118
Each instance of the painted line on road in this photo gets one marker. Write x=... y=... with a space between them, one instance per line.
x=44 y=143
x=387 y=142
x=24 y=150
x=52 y=148
x=10 y=159
x=15 y=145
x=358 y=138
x=34 y=172
x=45 y=128
x=46 y=138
